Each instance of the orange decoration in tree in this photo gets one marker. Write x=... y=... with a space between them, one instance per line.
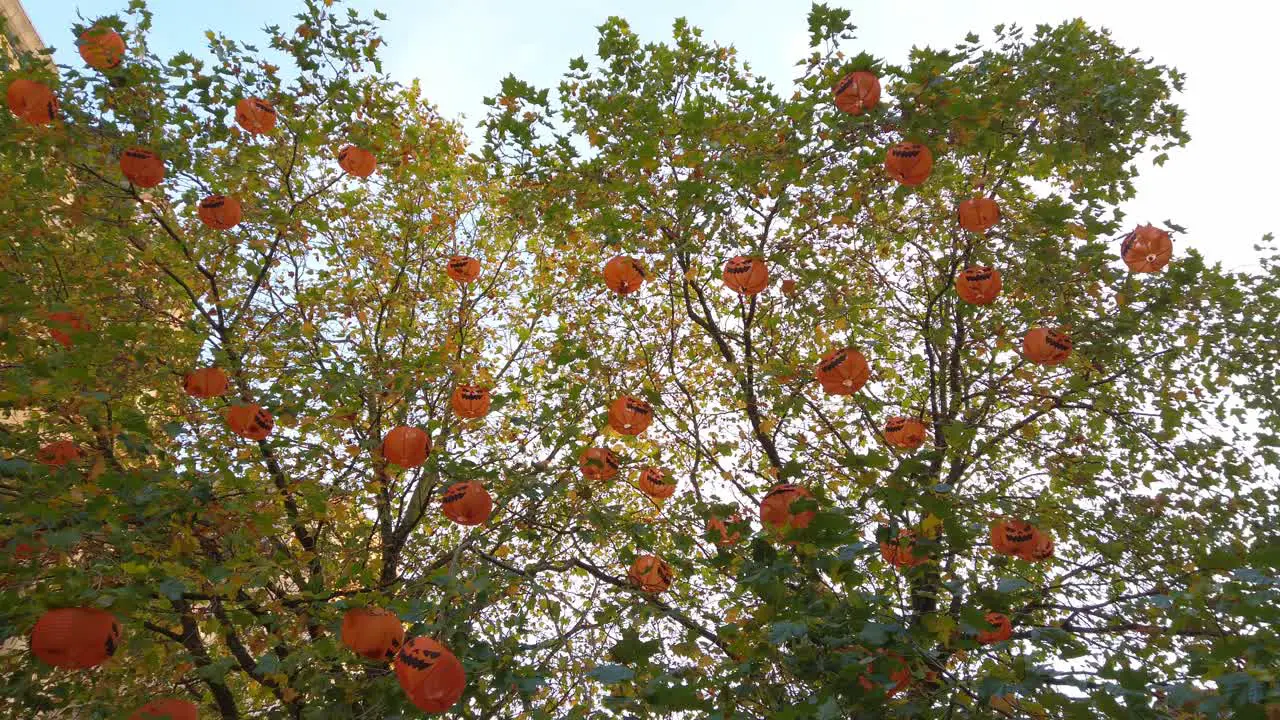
x=901 y=552
x=357 y=161
x=891 y=664
x=904 y=432
x=430 y=675
x=746 y=275
x=26 y=550
x=775 y=509
x=978 y=214
x=462 y=268
x=979 y=284
x=220 y=212
x=1011 y=537
x=256 y=115
x=655 y=483
x=598 y=463
x=62 y=321
x=142 y=167
x=630 y=415
x=250 y=421
x=1002 y=629
x=843 y=371
x=467 y=503
x=858 y=92
x=1147 y=249
x=58 y=453
x=406 y=446
x=75 y=638
x=102 y=48
x=33 y=102
x=167 y=709
x=1040 y=547
x=624 y=275
x=373 y=633
x=651 y=574
x=719 y=527
x=1043 y=346
x=909 y=163
x=470 y=401
x=205 y=383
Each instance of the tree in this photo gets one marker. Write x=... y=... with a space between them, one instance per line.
x=1148 y=455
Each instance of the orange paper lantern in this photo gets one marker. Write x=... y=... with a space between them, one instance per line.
x=373 y=633
x=894 y=666
x=142 y=167
x=904 y=432
x=430 y=675
x=462 y=268
x=205 y=383
x=651 y=574
x=250 y=421
x=775 y=509
x=101 y=48
x=1147 y=249
x=63 y=323
x=75 y=638
x=470 y=401
x=598 y=463
x=978 y=214
x=979 y=284
x=909 y=163
x=32 y=102
x=167 y=709
x=843 y=371
x=900 y=553
x=1001 y=630
x=857 y=92
x=467 y=503
x=1011 y=537
x=220 y=212
x=630 y=415
x=1043 y=346
x=746 y=275
x=406 y=446
x=256 y=115
x=719 y=529
x=357 y=161
x=623 y=275
x=58 y=453
x=655 y=483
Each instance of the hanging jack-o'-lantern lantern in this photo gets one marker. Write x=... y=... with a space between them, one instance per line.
x=142 y=167
x=63 y=323
x=373 y=633
x=857 y=92
x=719 y=530
x=979 y=284
x=406 y=446
x=746 y=275
x=32 y=102
x=909 y=163
x=1010 y=536
x=651 y=574
x=167 y=709
x=101 y=48
x=904 y=432
x=357 y=161
x=470 y=401
x=656 y=483
x=598 y=463
x=205 y=383
x=978 y=214
x=900 y=552
x=462 y=268
x=1039 y=548
x=75 y=638
x=1043 y=346
x=58 y=453
x=430 y=675
x=1001 y=629
x=630 y=415
x=220 y=212
x=623 y=275
x=891 y=665
x=467 y=503
x=776 y=512
x=1147 y=249
x=250 y=421
x=843 y=371
x=256 y=115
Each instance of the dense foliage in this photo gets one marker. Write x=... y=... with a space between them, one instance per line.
x=1148 y=456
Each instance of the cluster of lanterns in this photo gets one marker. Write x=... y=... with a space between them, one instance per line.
x=431 y=676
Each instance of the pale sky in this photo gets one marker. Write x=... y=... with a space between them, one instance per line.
x=1220 y=187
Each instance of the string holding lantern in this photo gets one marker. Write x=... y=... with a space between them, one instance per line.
x=630 y=415
x=357 y=162
x=58 y=453
x=220 y=212
x=467 y=503
x=255 y=115
x=406 y=446
x=719 y=528
x=463 y=269
x=1043 y=346
x=372 y=633
x=430 y=675
x=598 y=463
x=978 y=214
x=655 y=483
x=205 y=383
x=904 y=432
x=101 y=48
x=250 y=421
x=651 y=574
x=843 y=371
x=979 y=284
x=63 y=323
x=775 y=508
x=746 y=275
x=909 y=163
x=470 y=401
x=75 y=638
x=857 y=92
x=167 y=709
x=1002 y=629
x=142 y=167
x=32 y=102
x=1147 y=249
x=623 y=275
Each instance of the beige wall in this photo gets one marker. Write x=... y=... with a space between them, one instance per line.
x=20 y=33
